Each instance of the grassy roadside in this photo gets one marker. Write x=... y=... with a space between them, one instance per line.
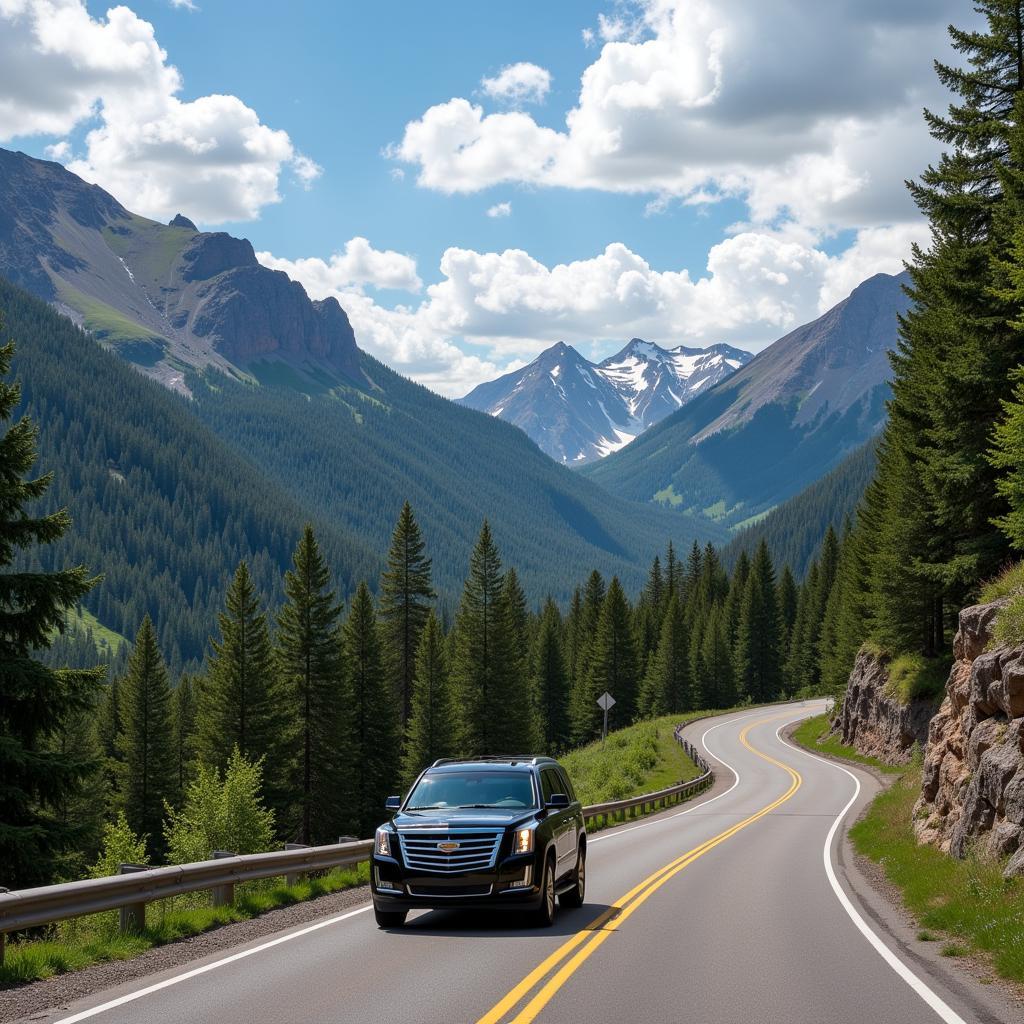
x=812 y=734
x=72 y=945
x=965 y=904
x=639 y=759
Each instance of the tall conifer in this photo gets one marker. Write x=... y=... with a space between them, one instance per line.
x=431 y=729
x=35 y=700
x=405 y=596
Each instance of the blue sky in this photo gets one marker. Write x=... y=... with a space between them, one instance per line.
x=688 y=171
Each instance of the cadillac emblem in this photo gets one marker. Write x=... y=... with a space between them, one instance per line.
x=448 y=847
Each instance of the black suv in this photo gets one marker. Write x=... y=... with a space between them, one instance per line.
x=495 y=833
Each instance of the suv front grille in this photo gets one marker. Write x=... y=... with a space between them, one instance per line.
x=477 y=849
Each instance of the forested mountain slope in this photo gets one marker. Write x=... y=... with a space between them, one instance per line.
x=162 y=508
x=356 y=456
x=794 y=531
x=776 y=425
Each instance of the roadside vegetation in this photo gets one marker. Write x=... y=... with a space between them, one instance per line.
x=1008 y=628
x=642 y=758
x=966 y=904
x=73 y=945
x=813 y=734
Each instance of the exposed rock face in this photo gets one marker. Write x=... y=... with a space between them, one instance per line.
x=972 y=793
x=877 y=724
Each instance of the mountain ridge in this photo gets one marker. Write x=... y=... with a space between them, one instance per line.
x=577 y=410
x=778 y=424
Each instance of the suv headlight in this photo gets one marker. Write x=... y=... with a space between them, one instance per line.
x=523 y=841
x=383 y=844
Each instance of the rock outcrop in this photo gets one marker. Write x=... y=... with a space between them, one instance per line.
x=972 y=793
x=874 y=721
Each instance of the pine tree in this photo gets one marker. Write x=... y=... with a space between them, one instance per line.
x=317 y=699
x=935 y=497
x=1008 y=455
x=732 y=609
x=431 y=729
x=718 y=680
x=581 y=714
x=613 y=664
x=666 y=686
x=551 y=684
x=787 y=597
x=146 y=744
x=758 y=650
x=519 y=727
x=239 y=699
x=405 y=596
x=184 y=734
x=480 y=661
x=374 y=772
x=35 y=700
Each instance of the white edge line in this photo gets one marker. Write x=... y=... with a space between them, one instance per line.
x=939 y=1005
x=196 y=971
x=168 y=982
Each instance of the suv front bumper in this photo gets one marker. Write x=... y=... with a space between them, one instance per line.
x=514 y=884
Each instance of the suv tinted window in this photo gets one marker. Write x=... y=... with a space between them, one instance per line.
x=549 y=784
x=472 y=789
x=567 y=785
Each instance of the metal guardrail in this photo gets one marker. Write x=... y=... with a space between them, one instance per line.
x=130 y=891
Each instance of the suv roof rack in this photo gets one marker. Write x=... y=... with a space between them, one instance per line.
x=496 y=758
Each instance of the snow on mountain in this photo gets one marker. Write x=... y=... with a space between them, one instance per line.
x=577 y=411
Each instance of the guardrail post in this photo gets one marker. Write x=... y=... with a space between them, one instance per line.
x=3 y=936
x=132 y=916
x=294 y=877
x=223 y=895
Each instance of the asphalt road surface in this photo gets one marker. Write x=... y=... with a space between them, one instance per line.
x=727 y=909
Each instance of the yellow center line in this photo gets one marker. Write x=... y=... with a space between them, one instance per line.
x=609 y=920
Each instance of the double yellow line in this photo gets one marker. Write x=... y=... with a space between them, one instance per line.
x=586 y=941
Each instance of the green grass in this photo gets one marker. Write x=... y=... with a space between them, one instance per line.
x=967 y=901
x=913 y=677
x=72 y=945
x=1008 y=629
x=641 y=758
x=668 y=496
x=82 y=620
x=813 y=734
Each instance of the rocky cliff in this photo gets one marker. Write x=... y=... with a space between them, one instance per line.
x=165 y=296
x=972 y=794
x=875 y=721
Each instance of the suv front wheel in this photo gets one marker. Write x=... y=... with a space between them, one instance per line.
x=544 y=915
x=389 y=918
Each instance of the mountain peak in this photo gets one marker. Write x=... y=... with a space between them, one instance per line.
x=181 y=221
x=599 y=408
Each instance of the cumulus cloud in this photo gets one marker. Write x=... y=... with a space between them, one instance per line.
x=519 y=83
x=211 y=156
x=500 y=210
x=508 y=306
x=807 y=111
x=360 y=264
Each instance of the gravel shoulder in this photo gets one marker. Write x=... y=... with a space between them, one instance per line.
x=42 y=1000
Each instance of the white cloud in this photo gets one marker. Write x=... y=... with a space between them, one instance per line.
x=519 y=83
x=210 y=157
x=500 y=210
x=806 y=111
x=59 y=151
x=360 y=264
x=509 y=306
x=185 y=5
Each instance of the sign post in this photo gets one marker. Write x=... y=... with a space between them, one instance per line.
x=604 y=702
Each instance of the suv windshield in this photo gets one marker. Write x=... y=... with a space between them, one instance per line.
x=513 y=790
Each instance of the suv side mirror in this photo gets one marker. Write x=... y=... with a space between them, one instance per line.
x=393 y=803
x=557 y=802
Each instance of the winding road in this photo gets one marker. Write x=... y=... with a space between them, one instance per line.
x=731 y=908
